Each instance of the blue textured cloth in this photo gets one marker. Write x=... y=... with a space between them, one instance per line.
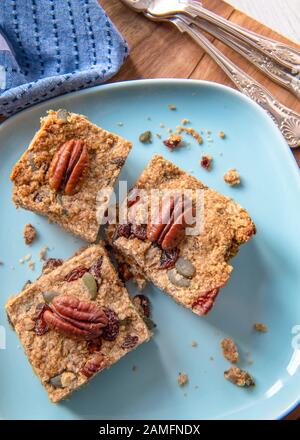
x=51 y=47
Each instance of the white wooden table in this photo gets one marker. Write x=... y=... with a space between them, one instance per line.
x=281 y=15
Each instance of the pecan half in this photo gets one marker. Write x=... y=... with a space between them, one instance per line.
x=169 y=222
x=75 y=318
x=68 y=166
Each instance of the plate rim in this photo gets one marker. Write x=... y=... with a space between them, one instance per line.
x=181 y=82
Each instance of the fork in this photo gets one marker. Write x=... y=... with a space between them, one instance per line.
x=283 y=54
x=264 y=63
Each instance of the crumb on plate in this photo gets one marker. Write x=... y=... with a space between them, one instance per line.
x=29 y=233
x=260 y=327
x=182 y=379
x=239 y=377
x=173 y=141
x=230 y=351
x=221 y=134
x=194 y=344
x=191 y=131
x=172 y=107
x=232 y=177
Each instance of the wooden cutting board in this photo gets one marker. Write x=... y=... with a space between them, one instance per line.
x=159 y=50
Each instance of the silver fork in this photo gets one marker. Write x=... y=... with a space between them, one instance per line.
x=283 y=54
x=264 y=63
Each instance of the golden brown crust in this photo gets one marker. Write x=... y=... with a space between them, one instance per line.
x=77 y=212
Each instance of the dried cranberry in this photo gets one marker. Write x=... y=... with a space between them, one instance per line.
x=206 y=162
x=94 y=345
x=76 y=273
x=111 y=331
x=122 y=231
x=168 y=258
x=95 y=269
x=129 y=342
x=139 y=231
x=173 y=141
x=124 y=272
x=40 y=327
x=52 y=263
x=205 y=302
x=142 y=303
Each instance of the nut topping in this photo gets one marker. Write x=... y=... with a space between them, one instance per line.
x=169 y=223
x=75 y=318
x=68 y=166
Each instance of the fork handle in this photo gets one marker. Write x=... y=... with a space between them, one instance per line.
x=283 y=54
x=265 y=64
x=287 y=120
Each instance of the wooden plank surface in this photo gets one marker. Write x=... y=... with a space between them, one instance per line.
x=160 y=51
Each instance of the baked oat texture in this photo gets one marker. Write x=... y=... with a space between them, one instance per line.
x=226 y=227
x=77 y=212
x=52 y=354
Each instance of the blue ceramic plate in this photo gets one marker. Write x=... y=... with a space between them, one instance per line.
x=264 y=287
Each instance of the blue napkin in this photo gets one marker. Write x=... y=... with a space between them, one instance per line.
x=51 y=47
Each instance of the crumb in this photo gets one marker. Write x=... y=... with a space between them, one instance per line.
x=170 y=130
x=149 y=118
x=158 y=135
x=208 y=131
x=206 y=161
x=260 y=327
x=172 y=107
x=43 y=253
x=162 y=125
x=1 y=263
x=196 y=387
x=221 y=134
x=173 y=141
x=146 y=137
x=134 y=368
x=230 y=351
x=209 y=139
x=26 y=258
x=29 y=233
x=182 y=379
x=232 y=177
x=185 y=121
x=211 y=358
x=120 y=124
x=31 y=265
x=194 y=344
x=239 y=377
x=191 y=131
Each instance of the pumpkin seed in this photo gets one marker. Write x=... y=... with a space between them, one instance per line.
x=185 y=267
x=56 y=381
x=91 y=284
x=177 y=279
x=49 y=296
x=63 y=114
x=146 y=137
